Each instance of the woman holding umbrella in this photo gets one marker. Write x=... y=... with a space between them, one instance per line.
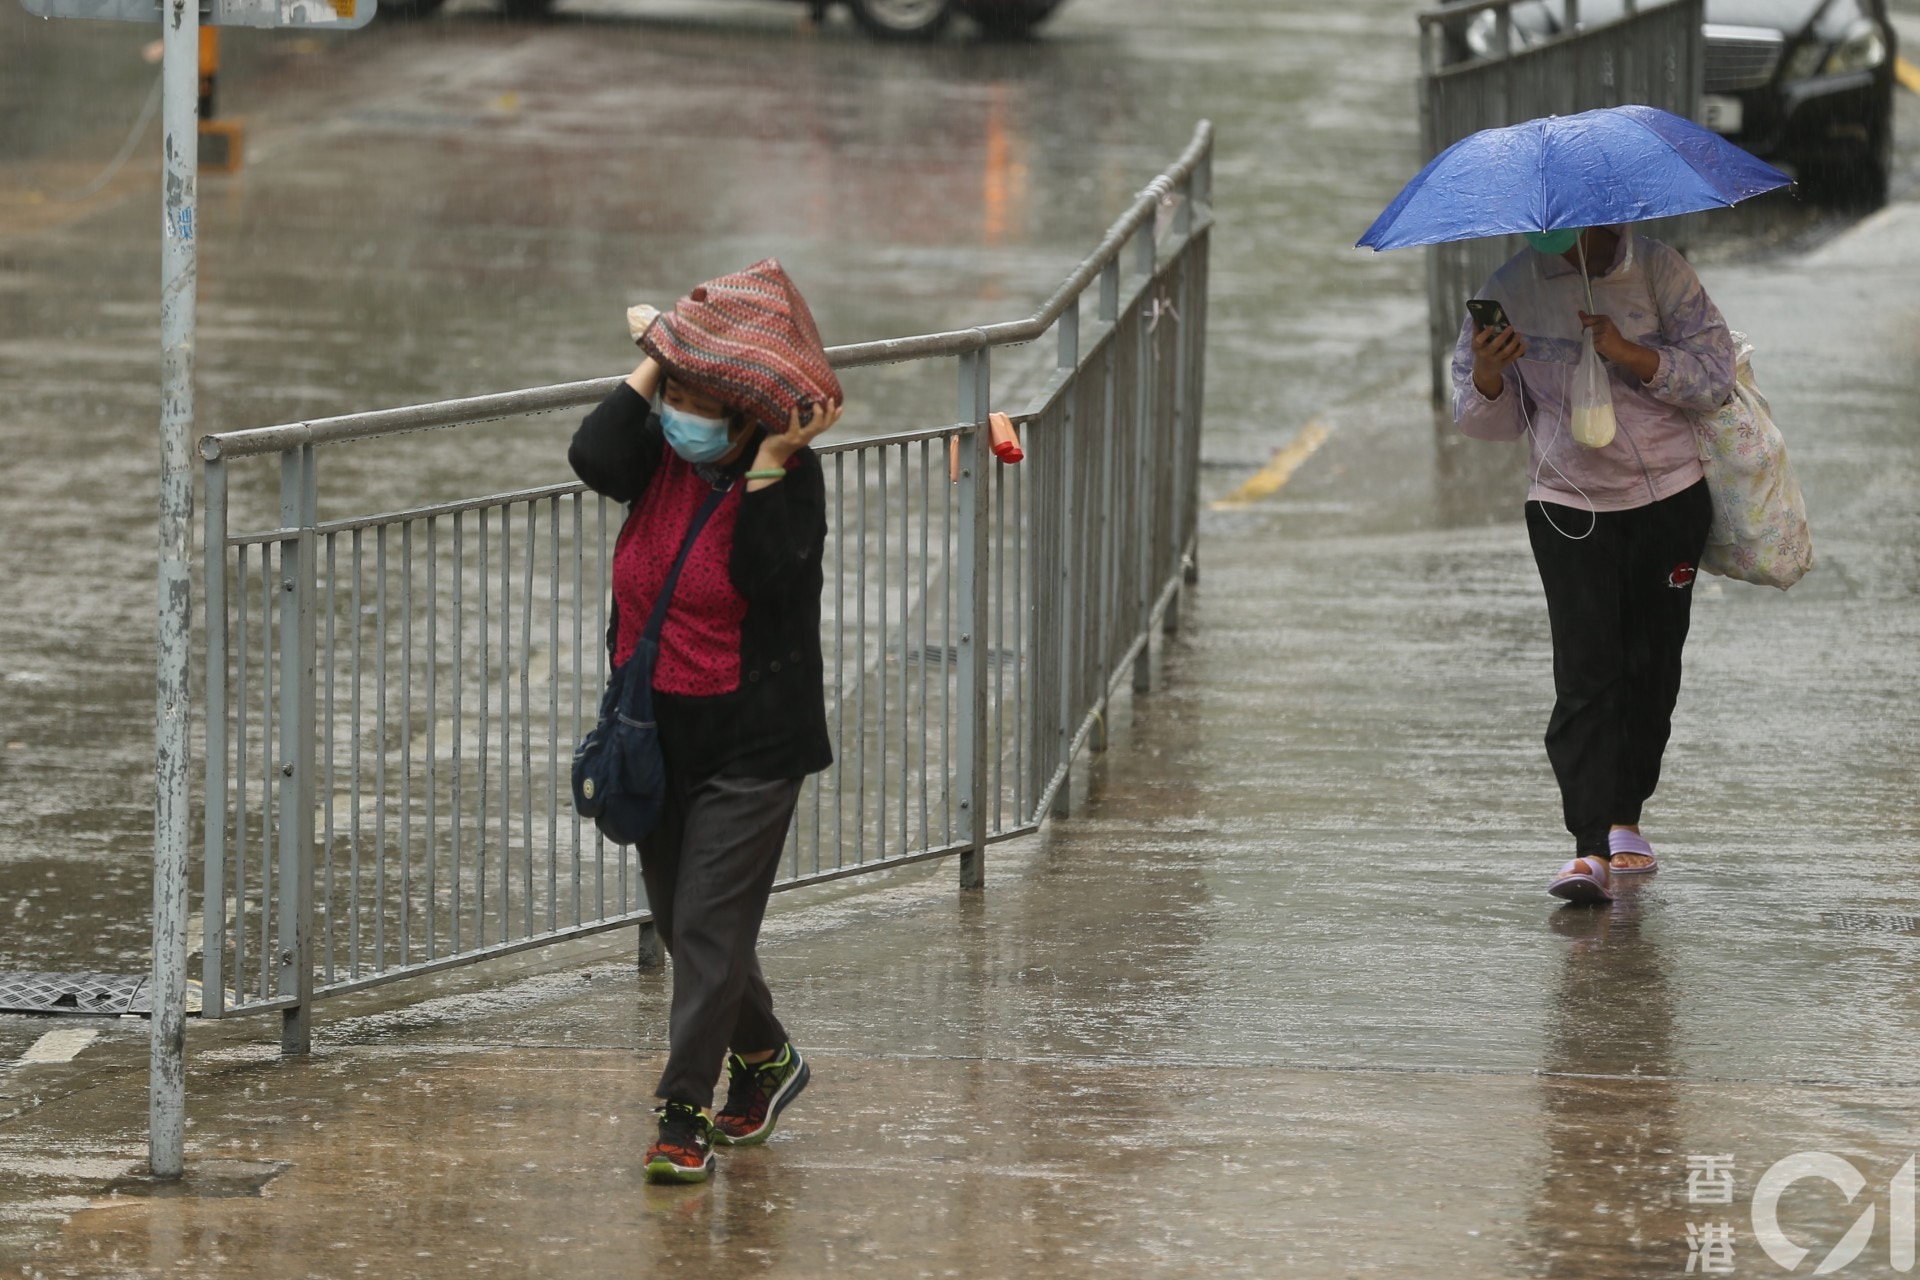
x=1617 y=516
x=1617 y=531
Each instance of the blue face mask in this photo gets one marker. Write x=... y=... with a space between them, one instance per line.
x=693 y=438
x=1555 y=242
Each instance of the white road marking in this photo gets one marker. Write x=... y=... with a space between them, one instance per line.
x=59 y=1046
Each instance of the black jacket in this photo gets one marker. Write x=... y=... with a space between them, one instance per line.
x=775 y=724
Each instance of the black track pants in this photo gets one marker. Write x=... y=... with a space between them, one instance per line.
x=1619 y=602
x=709 y=868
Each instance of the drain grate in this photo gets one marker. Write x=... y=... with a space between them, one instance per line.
x=106 y=995
x=1871 y=921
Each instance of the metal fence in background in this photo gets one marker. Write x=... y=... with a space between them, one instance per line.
x=1653 y=53
x=392 y=699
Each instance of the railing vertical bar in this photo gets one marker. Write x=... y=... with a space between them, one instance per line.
x=880 y=662
x=814 y=788
x=579 y=672
x=949 y=652
x=327 y=745
x=1066 y=453
x=839 y=658
x=381 y=735
x=528 y=907
x=1103 y=505
x=242 y=649
x=1177 y=507
x=217 y=805
x=817 y=785
x=600 y=682
x=299 y=499
x=860 y=687
x=792 y=856
x=269 y=819
x=553 y=715
x=356 y=738
x=903 y=803
x=975 y=397
x=506 y=720
x=1017 y=552
x=433 y=741
x=1143 y=442
x=406 y=743
x=481 y=771
x=457 y=799
x=926 y=610
x=996 y=475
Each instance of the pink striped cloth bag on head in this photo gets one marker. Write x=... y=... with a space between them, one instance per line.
x=747 y=339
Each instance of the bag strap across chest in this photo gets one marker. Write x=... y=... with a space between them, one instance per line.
x=658 y=618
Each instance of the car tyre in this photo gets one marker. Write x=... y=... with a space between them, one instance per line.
x=408 y=8
x=902 y=19
x=526 y=10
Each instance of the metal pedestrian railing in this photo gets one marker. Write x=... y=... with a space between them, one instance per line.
x=392 y=698
x=1650 y=52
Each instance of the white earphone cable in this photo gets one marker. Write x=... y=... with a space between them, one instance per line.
x=1593 y=514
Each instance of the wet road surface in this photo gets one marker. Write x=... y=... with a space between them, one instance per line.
x=441 y=208
x=1285 y=997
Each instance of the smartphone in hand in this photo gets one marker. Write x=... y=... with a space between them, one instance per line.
x=1487 y=314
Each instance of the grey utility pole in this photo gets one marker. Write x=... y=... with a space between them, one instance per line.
x=179 y=275
x=179 y=271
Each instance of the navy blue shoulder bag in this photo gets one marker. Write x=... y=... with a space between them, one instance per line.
x=619 y=778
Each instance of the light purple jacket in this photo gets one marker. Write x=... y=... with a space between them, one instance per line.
x=1655 y=300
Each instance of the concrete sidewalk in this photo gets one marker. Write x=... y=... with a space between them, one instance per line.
x=1285 y=998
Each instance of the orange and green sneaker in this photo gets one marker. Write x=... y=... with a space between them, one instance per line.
x=756 y=1095
x=684 y=1150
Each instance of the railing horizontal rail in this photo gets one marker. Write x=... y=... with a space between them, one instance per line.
x=325 y=527
x=256 y=441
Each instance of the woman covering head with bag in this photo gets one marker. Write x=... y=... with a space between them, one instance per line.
x=717 y=569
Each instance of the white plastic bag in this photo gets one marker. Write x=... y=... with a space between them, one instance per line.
x=1591 y=403
x=1759 y=532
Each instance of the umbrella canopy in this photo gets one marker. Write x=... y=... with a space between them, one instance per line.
x=1618 y=164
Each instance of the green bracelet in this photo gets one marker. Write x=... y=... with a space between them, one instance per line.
x=768 y=473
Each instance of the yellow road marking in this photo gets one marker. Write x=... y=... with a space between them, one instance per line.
x=1286 y=460
x=1907 y=74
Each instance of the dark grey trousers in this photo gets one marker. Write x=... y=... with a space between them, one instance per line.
x=709 y=867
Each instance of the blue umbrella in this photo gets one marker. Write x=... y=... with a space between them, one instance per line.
x=1618 y=164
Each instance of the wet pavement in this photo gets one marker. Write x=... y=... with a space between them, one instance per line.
x=1285 y=996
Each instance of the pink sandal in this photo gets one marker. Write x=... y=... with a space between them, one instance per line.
x=1619 y=842
x=1582 y=881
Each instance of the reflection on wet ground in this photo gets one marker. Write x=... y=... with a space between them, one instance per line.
x=1284 y=996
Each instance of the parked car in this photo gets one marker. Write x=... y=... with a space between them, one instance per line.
x=1807 y=82
x=884 y=19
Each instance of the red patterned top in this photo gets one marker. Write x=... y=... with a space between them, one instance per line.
x=700 y=640
x=740 y=683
